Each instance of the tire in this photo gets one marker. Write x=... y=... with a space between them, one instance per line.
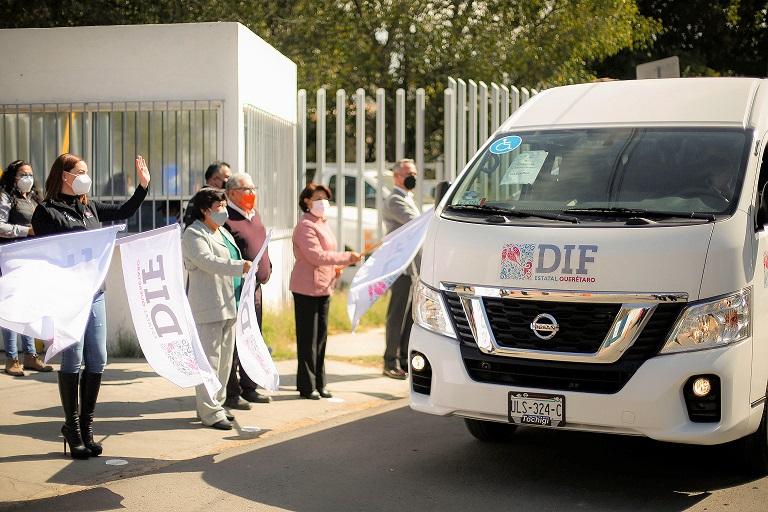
x=490 y=431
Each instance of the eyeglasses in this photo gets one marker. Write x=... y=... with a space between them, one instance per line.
x=252 y=190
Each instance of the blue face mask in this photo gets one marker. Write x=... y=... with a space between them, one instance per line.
x=219 y=217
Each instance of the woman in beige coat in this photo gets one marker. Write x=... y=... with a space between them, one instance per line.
x=216 y=270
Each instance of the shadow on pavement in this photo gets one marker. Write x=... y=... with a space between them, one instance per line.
x=92 y=500
x=112 y=376
x=288 y=381
x=402 y=460
x=136 y=409
x=51 y=430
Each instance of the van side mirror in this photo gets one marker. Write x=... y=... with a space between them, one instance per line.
x=761 y=219
x=440 y=189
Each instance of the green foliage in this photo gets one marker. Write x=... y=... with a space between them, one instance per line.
x=279 y=331
x=409 y=44
x=393 y=43
x=718 y=38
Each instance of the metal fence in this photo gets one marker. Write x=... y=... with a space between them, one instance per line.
x=177 y=138
x=270 y=152
x=471 y=115
x=472 y=111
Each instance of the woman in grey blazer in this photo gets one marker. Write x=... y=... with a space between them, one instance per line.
x=216 y=269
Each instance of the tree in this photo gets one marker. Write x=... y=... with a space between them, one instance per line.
x=409 y=44
x=723 y=37
x=394 y=43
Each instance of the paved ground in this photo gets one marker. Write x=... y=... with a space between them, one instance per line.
x=368 y=453
x=366 y=343
x=395 y=459
x=150 y=423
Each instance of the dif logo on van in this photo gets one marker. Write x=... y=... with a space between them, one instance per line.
x=548 y=262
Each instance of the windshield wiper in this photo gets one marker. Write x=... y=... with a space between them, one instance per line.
x=615 y=211
x=498 y=210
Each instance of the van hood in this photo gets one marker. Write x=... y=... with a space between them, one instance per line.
x=600 y=259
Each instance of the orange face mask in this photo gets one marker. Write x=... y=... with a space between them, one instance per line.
x=248 y=200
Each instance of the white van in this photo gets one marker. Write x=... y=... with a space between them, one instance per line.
x=350 y=214
x=601 y=265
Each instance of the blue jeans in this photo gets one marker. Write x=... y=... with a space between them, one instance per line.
x=93 y=347
x=10 y=340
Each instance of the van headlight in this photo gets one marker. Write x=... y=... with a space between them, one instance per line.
x=429 y=311
x=712 y=324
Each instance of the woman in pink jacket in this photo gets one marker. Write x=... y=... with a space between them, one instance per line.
x=312 y=281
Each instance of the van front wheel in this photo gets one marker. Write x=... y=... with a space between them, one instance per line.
x=490 y=431
x=755 y=448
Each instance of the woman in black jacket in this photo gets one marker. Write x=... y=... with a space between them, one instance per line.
x=66 y=208
x=18 y=199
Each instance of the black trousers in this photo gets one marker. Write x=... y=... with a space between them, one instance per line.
x=311 y=337
x=399 y=322
x=235 y=385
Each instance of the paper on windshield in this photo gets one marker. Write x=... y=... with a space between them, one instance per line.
x=524 y=168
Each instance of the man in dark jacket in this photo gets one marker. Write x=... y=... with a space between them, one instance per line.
x=246 y=227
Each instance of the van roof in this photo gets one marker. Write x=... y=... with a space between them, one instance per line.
x=673 y=101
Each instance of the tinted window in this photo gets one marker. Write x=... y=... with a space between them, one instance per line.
x=676 y=170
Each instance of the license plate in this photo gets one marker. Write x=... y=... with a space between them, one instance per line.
x=536 y=409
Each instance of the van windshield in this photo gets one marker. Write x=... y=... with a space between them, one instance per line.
x=672 y=170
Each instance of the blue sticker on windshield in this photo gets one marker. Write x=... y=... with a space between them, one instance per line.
x=506 y=144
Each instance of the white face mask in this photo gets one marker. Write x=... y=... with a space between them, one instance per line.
x=24 y=184
x=320 y=207
x=81 y=184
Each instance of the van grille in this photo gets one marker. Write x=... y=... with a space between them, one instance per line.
x=558 y=375
x=583 y=325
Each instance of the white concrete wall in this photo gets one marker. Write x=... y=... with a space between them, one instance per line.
x=259 y=87
x=119 y=63
x=199 y=61
x=264 y=78
x=195 y=61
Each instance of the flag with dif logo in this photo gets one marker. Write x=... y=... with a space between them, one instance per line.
x=384 y=266
x=162 y=317
x=48 y=284
x=251 y=348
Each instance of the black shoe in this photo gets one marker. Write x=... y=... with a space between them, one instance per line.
x=324 y=393
x=68 y=384
x=395 y=373
x=89 y=392
x=237 y=403
x=222 y=425
x=255 y=397
x=230 y=417
x=310 y=396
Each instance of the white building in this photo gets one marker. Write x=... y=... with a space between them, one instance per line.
x=181 y=95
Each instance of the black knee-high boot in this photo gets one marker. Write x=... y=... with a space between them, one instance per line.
x=89 y=392
x=71 y=429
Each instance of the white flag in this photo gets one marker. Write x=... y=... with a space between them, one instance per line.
x=251 y=349
x=165 y=328
x=385 y=265
x=48 y=284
